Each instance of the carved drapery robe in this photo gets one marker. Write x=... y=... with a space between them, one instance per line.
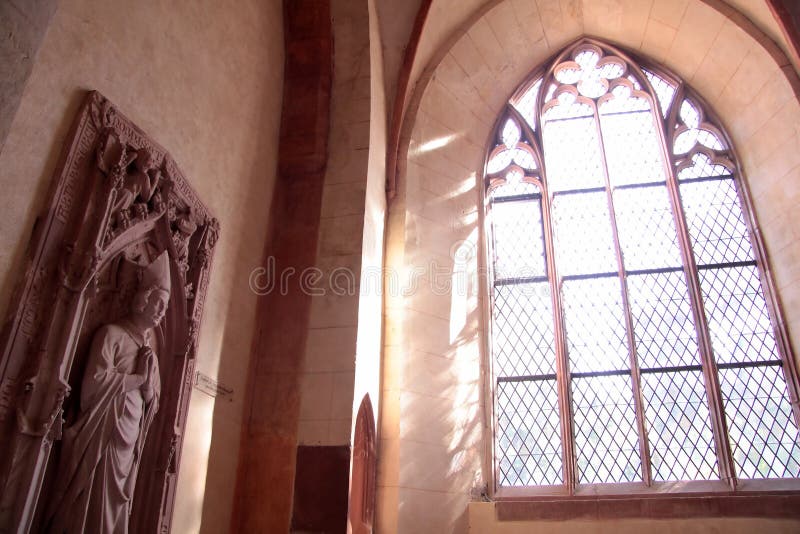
x=102 y=450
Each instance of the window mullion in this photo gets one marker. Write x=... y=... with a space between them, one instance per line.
x=716 y=407
x=644 y=446
x=562 y=363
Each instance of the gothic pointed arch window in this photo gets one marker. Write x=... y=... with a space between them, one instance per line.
x=635 y=339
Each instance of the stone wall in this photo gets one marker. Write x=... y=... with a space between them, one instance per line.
x=214 y=103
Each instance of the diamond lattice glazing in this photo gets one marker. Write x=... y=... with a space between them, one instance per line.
x=762 y=431
x=528 y=435
x=595 y=325
x=646 y=228
x=633 y=150
x=584 y=242
x=523 y=330
x=662 y=320
x=679 y=429
x=518 y=243
x=665 y=91
x=737 y=314
x=716 y=222
x=572 y=152
x=606 y=440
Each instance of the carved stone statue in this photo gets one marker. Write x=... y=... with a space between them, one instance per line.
x=141 y=183
x=81 y=446
x=119 y=398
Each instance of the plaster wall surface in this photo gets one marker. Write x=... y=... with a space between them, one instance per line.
x=214 y=103
x=435 y=429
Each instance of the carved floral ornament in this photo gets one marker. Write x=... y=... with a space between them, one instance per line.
x=596 y=77
x=118 y=201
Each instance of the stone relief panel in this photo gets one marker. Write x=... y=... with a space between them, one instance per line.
x=98 y=347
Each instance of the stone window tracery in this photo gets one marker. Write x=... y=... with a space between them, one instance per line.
x=635 y=339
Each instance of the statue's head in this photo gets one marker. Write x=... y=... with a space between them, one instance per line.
x=145 y=159
x=150 y=305
x=151 y=300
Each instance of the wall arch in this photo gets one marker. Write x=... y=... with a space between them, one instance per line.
x=436 y=217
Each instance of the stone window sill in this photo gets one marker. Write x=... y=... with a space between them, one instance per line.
x=763 y=504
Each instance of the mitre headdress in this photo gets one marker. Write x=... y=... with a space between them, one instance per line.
x=157 y=273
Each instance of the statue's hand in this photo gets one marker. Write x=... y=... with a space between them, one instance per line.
x=145 y=361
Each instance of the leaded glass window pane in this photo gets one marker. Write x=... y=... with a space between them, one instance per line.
x=632 y=333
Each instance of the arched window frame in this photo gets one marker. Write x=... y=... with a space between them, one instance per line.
x=671 y=127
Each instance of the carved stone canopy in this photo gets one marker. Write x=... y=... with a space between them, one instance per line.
x=117 y=202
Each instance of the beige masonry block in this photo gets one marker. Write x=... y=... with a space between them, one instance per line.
x=421 y=260
x=657 y=40
x=342 y=399
x=434 y=512
x=437 y=467
x=778 y=164
x=469 y=58
x=786 y=267
x=316 y=391
x=471 y=151
x=562 y=20
x=386 y=514
x=434 y=420
x=748 y=118
x=755 y=71
x=331 y=311
x=423 y=233
x=341 y=236
x=313 y=432
x=330 y=349
x=790 y=302
x=435 y=164
x=388 y=467
x=762 y=188
x=431 y=334
x=343 y=199
x=696 y=34
x=723 y=59
x=793 y=327
x=390 y=414
x=430 y=132
x=777 y=231
x=440 y=105
x=669 y=12
x=452 y=76
x=435 y=159
x=527 y=13
x=436 y=183
x=346 y=166
x=505 y=25
x=340 y=431
x=622 y=21
x=347 y=109
x=455 y=378
x=783 y=124
x=489 y=46
x=340 y=274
